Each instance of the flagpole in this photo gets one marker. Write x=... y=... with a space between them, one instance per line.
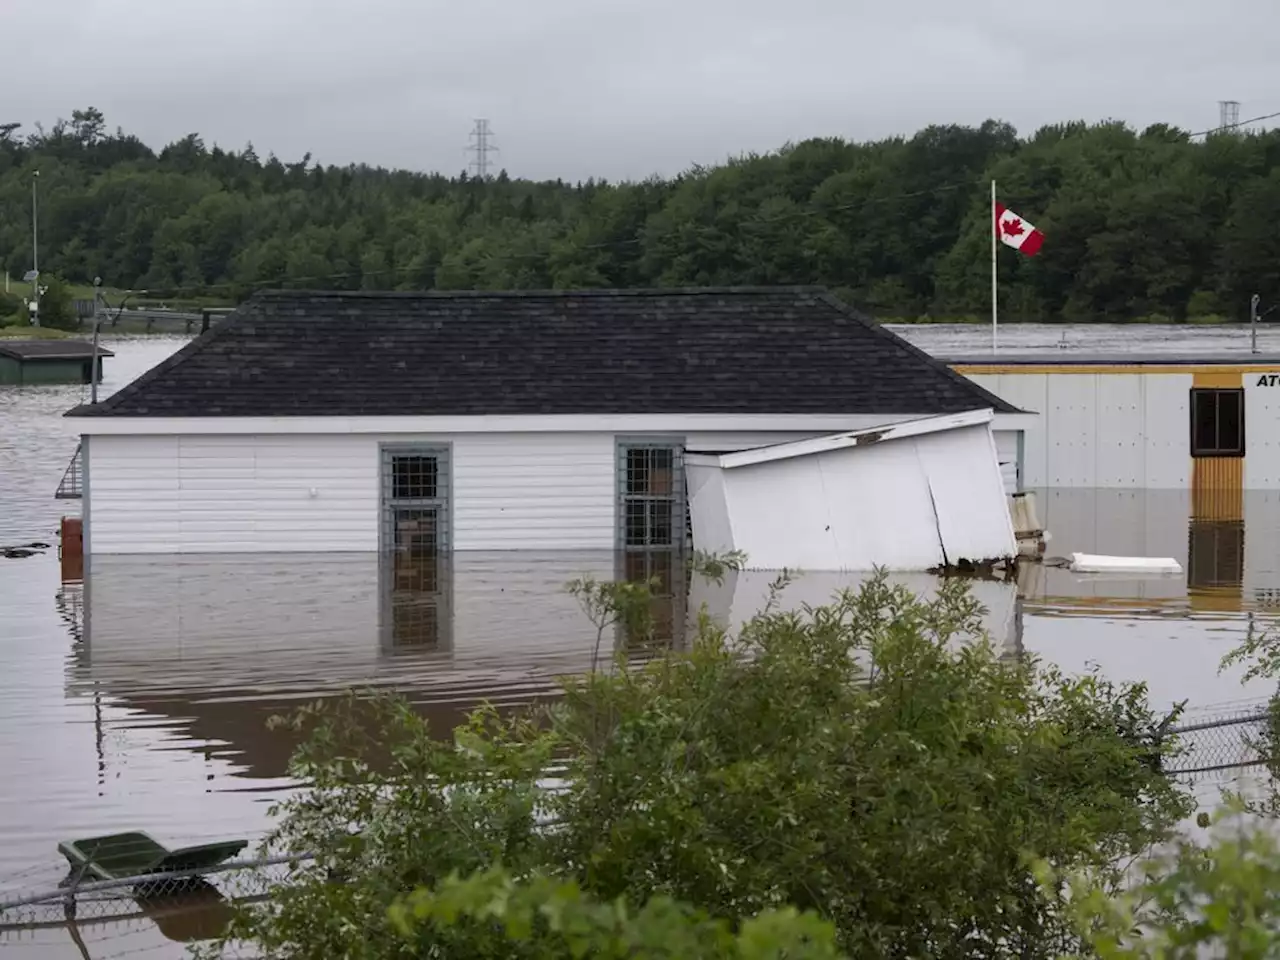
x=994 y=227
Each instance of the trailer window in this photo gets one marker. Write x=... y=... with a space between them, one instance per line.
x=1217 y=422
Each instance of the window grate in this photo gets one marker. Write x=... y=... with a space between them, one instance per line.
x=415 y=501
x=651 y=487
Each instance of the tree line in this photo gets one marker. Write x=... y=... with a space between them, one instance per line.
x=1139 y=224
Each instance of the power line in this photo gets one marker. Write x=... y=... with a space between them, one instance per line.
x=1234 y=126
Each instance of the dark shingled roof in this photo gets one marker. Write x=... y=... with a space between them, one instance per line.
x=780 y=350
x=50 y=350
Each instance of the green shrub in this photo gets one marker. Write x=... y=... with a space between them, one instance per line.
x=1220 y=899
x=57 y=309
x=874 y=763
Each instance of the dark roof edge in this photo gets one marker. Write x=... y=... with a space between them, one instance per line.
x=602 y=292
x=998 y=404
x=128 y=390
x=17 y=354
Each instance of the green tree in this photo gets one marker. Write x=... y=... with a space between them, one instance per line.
x=57 y=309
x=873 y=764
x=1137 y=223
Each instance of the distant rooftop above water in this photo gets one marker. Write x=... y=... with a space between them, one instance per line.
x=1095 y=343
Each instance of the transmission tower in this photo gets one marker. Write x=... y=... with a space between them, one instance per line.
x=1228 y=115
x=481 y=146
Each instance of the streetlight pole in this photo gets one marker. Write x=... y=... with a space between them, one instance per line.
x=35 y=244
x=97 y=322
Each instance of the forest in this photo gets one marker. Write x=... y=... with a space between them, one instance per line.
x=1157 y=223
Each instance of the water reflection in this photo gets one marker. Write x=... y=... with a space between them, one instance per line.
x=216 y=644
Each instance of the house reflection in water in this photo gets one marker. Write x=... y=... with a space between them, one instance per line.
x=212 y=646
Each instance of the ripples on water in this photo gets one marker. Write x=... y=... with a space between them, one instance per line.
x=138 y=700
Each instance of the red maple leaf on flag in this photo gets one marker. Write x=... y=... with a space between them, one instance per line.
x=1012 y=228
x=1013 y=231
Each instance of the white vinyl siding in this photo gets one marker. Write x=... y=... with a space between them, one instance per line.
x=280 y=492
x=207 y=492
x=533 y=491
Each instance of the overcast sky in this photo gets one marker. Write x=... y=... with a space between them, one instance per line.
x=622 y=88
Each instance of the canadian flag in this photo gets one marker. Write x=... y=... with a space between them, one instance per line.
x=1016 y=232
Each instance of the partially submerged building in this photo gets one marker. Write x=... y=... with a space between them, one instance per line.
x=487 y=421
x=1206 y=424
x=26 y=363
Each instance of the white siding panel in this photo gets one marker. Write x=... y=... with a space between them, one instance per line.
x=211 y=494
x=133 y=491
x=534 y=491
x=906 y=504
x=1261 y=432
x=1167 y=429
x=1116 y=430
x=1121 y=452
x=1007 y=454
x=1070 y=428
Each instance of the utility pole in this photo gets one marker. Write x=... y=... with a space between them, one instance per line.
x=481 y=146
x=1253 y=323
x=97 y=323
x=35 y=245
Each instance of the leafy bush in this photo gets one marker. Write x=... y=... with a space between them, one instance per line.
x=10 y=304
x=57 y=309
x=874 y=763
x=1218 y=899
x=491 y=906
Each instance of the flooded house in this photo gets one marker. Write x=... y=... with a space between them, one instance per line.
x=430 y=422
x=27 y=363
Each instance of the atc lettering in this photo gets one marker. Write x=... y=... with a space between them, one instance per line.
x=1268 y=380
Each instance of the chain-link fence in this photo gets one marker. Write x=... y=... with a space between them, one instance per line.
x=121 y=917
x=1230 y=740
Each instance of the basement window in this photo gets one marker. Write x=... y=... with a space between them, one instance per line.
x=1217 y=422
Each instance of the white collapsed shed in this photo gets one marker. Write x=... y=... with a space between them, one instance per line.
x=907 y=496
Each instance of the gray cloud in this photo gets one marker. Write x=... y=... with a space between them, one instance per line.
x=621 y=88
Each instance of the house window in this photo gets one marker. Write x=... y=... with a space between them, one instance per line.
x=651 y=507
x=415 y=500
x=1217 y=422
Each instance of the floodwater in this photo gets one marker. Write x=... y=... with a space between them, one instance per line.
x=137 y=699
